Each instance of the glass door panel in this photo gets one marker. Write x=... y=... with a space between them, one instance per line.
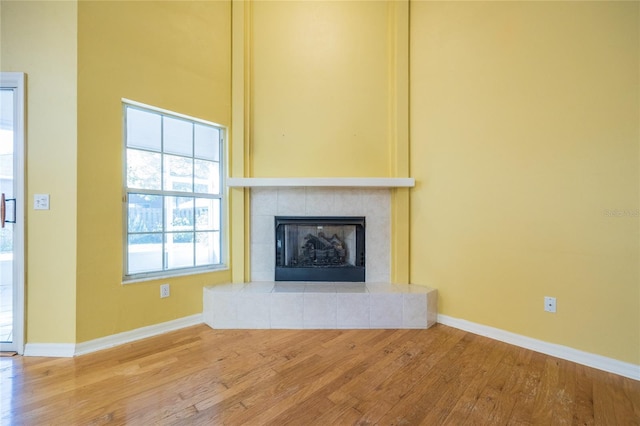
x=7 y=188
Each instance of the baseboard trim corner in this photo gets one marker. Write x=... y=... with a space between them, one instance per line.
x=58 y=350
x=599 y=362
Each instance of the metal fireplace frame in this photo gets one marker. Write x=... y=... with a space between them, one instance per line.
x=356 y=273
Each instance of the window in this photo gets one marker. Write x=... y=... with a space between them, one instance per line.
x=173 y=187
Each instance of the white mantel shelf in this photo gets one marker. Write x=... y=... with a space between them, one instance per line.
x=344 y=182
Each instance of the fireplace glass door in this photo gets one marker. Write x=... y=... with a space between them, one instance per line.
x=320 y=249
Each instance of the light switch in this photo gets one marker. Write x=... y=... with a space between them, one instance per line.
x=41 y=201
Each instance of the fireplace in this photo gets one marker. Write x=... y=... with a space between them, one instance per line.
x=373 y=204
x=325 y=248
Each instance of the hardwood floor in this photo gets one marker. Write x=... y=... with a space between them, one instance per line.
x=302 y=377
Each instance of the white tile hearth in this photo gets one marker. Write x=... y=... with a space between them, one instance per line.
x=297 y=305
x=353 y=310
x=320 y=310
x=386 y=310
x=286 y=310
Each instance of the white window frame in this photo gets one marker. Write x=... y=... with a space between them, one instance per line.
x=222 y=196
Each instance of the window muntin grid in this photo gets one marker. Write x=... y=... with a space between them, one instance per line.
x=174 y=199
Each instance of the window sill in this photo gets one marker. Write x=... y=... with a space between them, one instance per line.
x=168 y=275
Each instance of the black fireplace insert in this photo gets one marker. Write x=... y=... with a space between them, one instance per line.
x=325 y=248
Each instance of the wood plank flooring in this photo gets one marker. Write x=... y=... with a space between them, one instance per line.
x=439 y=376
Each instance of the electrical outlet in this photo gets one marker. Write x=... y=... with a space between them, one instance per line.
x=41 y=201
x=164 y=291
x=550 y=304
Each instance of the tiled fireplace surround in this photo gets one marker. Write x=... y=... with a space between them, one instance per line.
x=377 y=303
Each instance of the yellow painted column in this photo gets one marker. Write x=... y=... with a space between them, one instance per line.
x=239 y=140
x=398 y=38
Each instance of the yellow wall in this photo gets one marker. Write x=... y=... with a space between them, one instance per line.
x=319 y=89
x=39 y=38
x=172 y=55
x=524 y=134
x=524 y=142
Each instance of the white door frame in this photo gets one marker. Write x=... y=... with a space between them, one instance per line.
x=16 y=81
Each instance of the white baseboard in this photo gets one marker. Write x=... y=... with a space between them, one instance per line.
x=70 y=349
x=600 y=362
x=64 y=350
x=137 y=334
